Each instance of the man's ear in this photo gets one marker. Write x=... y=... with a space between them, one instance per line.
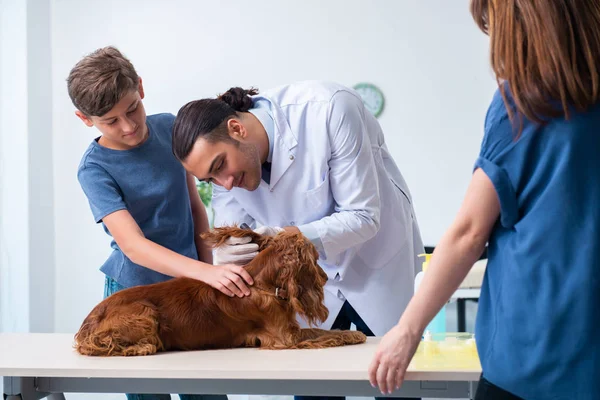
x=84 y=118
x=237 y=130
x=141 y=89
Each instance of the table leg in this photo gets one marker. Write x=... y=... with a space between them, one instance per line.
x=473 y=389
x=461 y=315
x=19 y=388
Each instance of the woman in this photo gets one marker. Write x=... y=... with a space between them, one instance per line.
x=535 y=197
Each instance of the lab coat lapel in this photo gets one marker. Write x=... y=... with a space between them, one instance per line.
x=283 y=147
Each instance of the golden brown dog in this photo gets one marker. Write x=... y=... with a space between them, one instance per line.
x=186 y=314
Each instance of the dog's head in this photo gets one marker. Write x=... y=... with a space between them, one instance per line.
x=287 y=261
x=290 y=262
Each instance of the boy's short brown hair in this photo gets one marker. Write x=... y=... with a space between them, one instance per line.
x=100 y=80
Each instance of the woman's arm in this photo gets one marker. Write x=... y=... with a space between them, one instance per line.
x=457 y=251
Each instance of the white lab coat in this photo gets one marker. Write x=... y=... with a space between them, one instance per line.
x=333 y=177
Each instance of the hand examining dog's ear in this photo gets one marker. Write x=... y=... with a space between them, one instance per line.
x=239 y=251
x=268 y=230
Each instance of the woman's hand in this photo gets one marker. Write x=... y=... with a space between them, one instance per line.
x=394 y=353
x=230 y=279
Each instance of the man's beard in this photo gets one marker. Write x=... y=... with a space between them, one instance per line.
x=250 y=153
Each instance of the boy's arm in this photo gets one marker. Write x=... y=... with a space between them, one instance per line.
x=107 y=205
x=229 y=279
x=200 y=220
x=137 y=248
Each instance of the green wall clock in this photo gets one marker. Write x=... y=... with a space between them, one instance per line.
x=372 y=97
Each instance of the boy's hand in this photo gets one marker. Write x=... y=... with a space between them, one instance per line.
x=230 y=279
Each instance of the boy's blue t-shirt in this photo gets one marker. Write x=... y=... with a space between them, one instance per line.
x=150 y=183
x=538 y=320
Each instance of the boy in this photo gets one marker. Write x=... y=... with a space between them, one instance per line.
x=137 y=188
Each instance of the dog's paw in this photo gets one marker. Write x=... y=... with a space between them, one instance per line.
x=353 y=337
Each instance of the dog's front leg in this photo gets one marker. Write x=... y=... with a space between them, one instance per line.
x=319 y=338
x=273 y=340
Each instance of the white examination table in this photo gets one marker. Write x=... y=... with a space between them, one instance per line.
x=38 y=365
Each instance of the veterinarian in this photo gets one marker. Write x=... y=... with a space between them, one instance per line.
x=309 y=157
x=534 y=197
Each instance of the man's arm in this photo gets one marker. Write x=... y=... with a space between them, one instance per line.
x=228 y=210
x=200 y=220
x=353 y=180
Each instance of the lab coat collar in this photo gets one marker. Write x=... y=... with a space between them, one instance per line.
x=284 y=146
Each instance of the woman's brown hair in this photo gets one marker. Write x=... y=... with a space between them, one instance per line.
x=547 y=52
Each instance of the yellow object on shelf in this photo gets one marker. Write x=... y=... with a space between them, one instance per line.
x=447 y=351
x=426 y=262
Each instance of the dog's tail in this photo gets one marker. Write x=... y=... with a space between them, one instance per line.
x=87 y=340
x=128 y=330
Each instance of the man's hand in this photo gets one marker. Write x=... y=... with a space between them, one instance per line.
x=235 y=251
x=268 y=230
x=241 y=251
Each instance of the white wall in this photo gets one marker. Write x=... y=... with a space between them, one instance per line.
x=428 y=57
x=14 y=166
x=26 y=179
x=3 y=261
x=41 y=172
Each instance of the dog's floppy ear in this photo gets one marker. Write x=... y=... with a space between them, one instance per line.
x=217 y=236
x=302 y=276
